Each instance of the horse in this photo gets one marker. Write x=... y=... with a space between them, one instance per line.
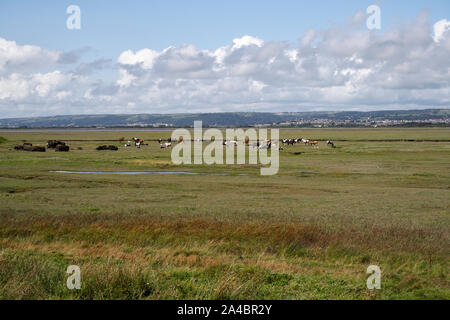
x=229 y=143
x=166 y=145
x=314 y=143
x=266 y=146
x=136 y=142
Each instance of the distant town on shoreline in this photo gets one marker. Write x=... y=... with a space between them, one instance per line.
x=319 y=119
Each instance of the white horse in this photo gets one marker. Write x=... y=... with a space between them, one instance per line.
x=166 y=145
x=230 y=143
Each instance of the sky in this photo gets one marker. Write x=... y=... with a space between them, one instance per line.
x=218 y=56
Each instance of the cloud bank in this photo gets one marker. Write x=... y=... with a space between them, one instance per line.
x=343 y=67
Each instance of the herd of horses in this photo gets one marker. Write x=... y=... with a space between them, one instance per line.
x=309 y=142
x=167 y=143
x=51 y=144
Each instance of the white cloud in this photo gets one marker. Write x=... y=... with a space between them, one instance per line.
x=42 y=88
x=440 y=28
x=14 y=87
x=46 y=83
x=14 y=57
x=343 y=67
x=246 y=41
x=144 y=57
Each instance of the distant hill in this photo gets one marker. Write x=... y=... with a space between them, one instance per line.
x=235 y=119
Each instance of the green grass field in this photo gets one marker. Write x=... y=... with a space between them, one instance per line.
x=309 y=232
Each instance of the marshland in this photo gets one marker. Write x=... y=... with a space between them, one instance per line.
x=308 y=232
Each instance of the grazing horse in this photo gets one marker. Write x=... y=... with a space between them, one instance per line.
x=62 y=147
x=137 y=142
x=314 y=143
x=331 y=144
x=53 y=143
x=229 y=143
x=266 y=146
x=166 y=145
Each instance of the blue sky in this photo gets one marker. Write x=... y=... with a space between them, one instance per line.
x=137 y=56
x=110 y=26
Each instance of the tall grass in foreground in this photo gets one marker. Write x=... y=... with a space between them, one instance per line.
x=134 y=258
